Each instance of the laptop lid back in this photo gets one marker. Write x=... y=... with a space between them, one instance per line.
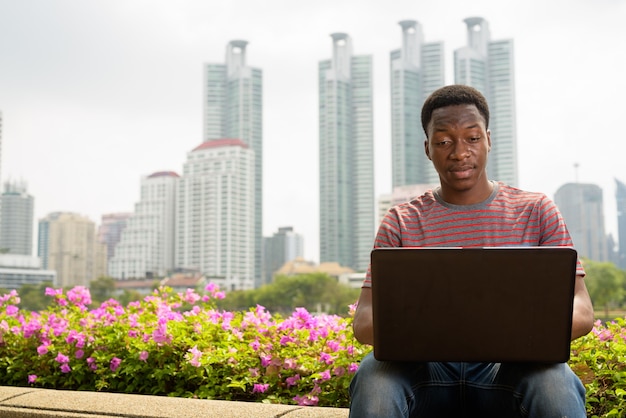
x=498 y=304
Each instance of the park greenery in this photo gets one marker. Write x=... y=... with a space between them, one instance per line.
x=202 y=343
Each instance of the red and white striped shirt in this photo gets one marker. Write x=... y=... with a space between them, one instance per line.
x=509 y=217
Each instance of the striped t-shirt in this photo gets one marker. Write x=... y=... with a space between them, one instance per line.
x=509 y=217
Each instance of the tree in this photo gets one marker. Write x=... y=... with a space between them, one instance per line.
x=33 y=297
x=314 y=292
x=605 y=283
x=101 y=289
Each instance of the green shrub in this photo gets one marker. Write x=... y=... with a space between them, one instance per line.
x=179 y=344
x=599 y=359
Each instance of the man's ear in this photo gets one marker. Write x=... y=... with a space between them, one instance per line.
x=488 y=140
x=426 y=149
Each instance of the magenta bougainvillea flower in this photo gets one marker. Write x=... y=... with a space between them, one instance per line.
x=148 y=347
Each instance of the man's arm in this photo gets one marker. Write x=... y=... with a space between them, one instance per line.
x=363 y=319
x=582 y=318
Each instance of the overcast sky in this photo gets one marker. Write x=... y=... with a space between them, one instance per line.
x=96 y=94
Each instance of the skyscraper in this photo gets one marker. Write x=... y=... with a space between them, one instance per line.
x=110 y=230
x=489 y=67
x=416 y=69
x=215 y=213
x=146 y=246
x=346 y=156
x=583 y=210
x=233 y=108
x=68 y=245
x=285 y=245
x=16 y=219
x=620 y=198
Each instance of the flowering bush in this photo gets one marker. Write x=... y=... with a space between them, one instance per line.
x=599 y=359
x=178 y=344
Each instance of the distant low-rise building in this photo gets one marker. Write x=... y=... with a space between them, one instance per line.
x=301 y=266
x=68 y=245
x=17 y=270
x=281 y=247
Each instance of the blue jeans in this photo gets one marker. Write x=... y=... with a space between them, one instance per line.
x=393 y=389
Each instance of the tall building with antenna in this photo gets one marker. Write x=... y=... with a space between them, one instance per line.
x=416 y=70
x=346 y=156
x=233 y=108
x=489 y=67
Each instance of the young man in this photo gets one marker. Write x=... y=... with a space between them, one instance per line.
x=467 y=210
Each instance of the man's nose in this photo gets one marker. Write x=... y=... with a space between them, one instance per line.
x=461 y=150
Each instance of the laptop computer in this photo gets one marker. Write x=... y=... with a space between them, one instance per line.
x=499 y=304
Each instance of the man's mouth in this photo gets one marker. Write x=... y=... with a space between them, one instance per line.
x=462 y=171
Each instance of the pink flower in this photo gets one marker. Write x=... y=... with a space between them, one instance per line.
x=92 y=363
x=53 y=292
x=306 y=400
x=260 y=387
x=79 y=354
x=12 y=310
x=333 y=345
x=290 y=363
x=159 y=335
x=79 y=296
x=42 y=349
x=62 y=358
x=191 y=297
x=285 y=339
x=254 y=372
x=353 y=367
x=32 y=378
x=195 y=356
x=266 y=360
x=292 y=381
x=327 y=358
x=339 y=371
x=65 y=368
x=325 y=375
x=115 y=363
x=214 y=290
x=352 y=307
x=143 y=356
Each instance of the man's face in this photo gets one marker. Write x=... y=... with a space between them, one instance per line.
x=458 y=144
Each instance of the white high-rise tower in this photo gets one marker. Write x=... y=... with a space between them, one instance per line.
x=346 y=156
x=233 y=108
x=489 y=67
x=146 y=246
x=215 y=213
x=416 y=70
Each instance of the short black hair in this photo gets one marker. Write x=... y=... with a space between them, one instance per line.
x=455 y=94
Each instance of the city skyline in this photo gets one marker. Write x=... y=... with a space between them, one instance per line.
x=88 y=110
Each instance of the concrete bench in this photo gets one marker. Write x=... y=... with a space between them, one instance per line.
x=16 y=402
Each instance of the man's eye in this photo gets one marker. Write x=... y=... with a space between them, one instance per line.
x=474 y=139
